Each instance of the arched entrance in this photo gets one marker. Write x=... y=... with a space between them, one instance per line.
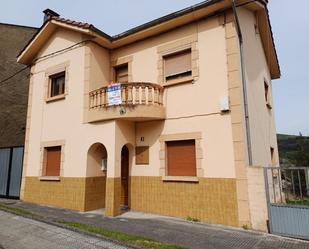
x=124 y=200
x=96 y=177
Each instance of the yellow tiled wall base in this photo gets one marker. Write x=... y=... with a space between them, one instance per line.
x=212 y=200
x=95 y=193
x=113 y=191
x=69 y=192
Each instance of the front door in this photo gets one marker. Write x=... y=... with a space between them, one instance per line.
x=124 y=176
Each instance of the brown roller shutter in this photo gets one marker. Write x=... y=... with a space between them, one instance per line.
x=181 y=158
x=53 y=158
x=177 y=63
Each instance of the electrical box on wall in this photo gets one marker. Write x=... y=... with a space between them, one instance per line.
x=225 y=104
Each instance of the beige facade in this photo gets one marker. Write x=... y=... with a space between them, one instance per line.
x=92 y=134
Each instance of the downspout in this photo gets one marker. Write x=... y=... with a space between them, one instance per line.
x=244 y=83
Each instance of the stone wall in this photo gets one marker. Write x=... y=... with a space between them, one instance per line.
x=13 y=92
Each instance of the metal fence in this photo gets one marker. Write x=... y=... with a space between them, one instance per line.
x=11 y=161
x=287 y=191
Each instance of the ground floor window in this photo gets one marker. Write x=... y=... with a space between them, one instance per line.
x=52 y=161
x=181 y=158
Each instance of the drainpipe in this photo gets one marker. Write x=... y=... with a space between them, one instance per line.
x=244 y=82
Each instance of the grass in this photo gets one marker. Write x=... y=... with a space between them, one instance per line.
x=18 y=211
x=189 y=218
x=126 y=238
x=298 y=202
x=245 y=227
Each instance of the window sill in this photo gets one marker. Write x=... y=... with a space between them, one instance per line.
x=180 y=179
x=55 y=98
x=49 y=178
x=188 y=79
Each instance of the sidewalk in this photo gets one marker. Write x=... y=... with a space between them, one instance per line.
x=167 y=229
x=22 y=233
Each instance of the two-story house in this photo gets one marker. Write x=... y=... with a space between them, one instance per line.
x=172 y=117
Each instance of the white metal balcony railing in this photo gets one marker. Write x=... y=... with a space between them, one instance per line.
x=132 y=93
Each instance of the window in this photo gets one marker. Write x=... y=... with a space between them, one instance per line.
x=272 y=154
x=121 y=74
x=177 y=65
x=57 y=84
x=53 y=160
x=181 y=158
x=267 y=94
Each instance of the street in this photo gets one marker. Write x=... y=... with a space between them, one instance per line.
x=21 y=233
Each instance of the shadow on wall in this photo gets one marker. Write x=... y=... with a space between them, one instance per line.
x=150 y=131
x=95 y=183
x=96 y=160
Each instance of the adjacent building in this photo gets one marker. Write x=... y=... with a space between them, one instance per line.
x=13 y=106
x=173 y=117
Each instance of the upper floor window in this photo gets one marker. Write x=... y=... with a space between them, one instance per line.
x=267 y=94
x=272 y=155
x=177 y=65
x=57 y=84
x=121 y=73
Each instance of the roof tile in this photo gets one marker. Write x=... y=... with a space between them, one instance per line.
x=72 y=22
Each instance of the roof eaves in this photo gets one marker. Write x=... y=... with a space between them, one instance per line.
x=32 y=38
x=165 y=18
x=101 y=33
x=273 y=41
x=128 y=32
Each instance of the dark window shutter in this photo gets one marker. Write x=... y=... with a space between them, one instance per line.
x=181 y=160
x=53 y=159
x=177 y=64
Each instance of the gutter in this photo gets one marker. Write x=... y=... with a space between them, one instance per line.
x=244 y=83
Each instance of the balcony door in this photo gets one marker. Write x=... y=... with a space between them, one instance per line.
x=121 y=74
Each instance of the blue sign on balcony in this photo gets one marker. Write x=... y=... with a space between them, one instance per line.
x=114 y=94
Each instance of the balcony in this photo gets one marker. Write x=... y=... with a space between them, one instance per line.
x=136 y=101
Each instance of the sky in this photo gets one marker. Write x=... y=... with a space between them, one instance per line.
x=290 y=24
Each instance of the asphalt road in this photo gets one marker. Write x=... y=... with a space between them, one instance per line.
x=20 y=233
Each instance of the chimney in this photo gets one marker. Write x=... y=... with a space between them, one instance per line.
x=48 y=13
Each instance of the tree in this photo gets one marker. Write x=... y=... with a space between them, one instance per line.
x=301 y=157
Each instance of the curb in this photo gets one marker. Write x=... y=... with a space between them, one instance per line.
x=237 y=229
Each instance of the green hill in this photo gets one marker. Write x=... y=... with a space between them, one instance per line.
x=293 y=150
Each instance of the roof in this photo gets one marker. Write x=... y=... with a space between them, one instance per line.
x=18 y=26
x=71 y=22
x=157 y=26
x=166 y=18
